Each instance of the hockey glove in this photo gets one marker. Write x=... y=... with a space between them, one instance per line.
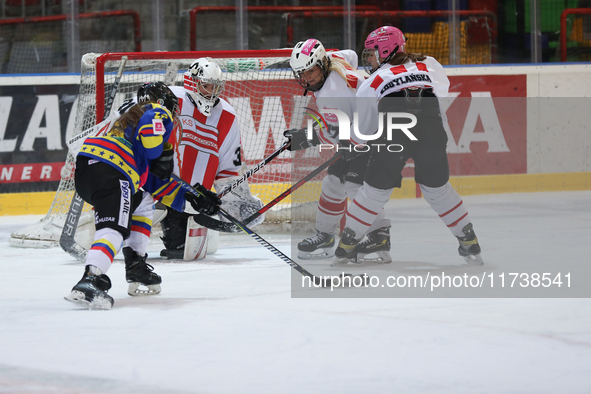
x=299 y=140
x=163 y=166
x=207 y=203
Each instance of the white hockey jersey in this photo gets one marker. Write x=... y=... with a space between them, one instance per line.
x=338 y=93
x=209 y=145
x=388 y=79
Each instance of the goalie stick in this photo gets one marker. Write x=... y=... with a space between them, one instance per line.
x=217 y=225
x=67 y=241
x=317 y=280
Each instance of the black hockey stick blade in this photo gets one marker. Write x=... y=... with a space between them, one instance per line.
x=218 y=225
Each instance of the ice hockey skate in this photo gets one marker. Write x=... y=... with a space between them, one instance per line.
x=91 y=291
x=318 y=246
x=469 y=248
x=346 y=252
x=375 y=248
x=139 y=273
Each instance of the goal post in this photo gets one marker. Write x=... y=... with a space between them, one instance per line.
x=259 y=85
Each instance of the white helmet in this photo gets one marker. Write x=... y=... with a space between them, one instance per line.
x=306 y=55
x=204 y=72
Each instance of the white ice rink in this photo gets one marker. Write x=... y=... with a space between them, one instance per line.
x=229 y=324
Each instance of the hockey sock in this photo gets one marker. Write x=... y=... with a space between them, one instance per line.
x=106 y=245
x=364 y=209
x=331 y=205
x=449 y=206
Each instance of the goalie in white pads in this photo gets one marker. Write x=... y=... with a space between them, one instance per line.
x=407 y=83
x=333 y=78
x=209 y=150
x=116 y=174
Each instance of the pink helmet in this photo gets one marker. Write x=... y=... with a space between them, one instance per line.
x=386 y=39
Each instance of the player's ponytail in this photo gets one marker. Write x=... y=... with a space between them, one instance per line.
x=341 y=66
x=403 y=57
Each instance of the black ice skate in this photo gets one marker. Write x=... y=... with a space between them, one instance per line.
x=318 y=246
x=91 y=291
x=469 y=248
x=377 y=243
x=347 y=250
x=139 y=273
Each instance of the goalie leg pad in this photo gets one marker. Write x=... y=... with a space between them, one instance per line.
x=195 y=241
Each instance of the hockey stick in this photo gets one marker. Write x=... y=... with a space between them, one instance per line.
x=254 y=169
x=217 y=225
x=67 y=241
x=317 y=280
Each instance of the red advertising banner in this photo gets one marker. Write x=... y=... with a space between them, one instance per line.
x=487 y=115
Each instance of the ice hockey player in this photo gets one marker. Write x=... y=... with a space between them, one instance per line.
x=333 y=78
x=116 y=174
x=209 y=149
x=409 y=83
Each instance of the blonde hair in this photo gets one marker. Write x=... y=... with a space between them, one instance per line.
x=341 y=66
x=403 y=57
x=131 y=117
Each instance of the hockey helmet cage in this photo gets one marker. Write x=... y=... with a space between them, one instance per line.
x=381 y=43
x=306 y=55
x=160 y=93
x=204 y=83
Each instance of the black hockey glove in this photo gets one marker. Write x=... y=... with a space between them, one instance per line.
x=207 y=203
x=299 y=139
x=163 y=166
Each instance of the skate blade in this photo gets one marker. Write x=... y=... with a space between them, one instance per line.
x=146 y=290
x=380 y=257
x=474 y=259
x=325 y=254
x=99 y=303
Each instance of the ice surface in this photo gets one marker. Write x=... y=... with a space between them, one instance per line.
x=229 y=324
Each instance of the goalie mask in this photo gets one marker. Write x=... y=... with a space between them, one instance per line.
x=204 y=84
x=381 y=43
x=159 y=93
x=310 y=64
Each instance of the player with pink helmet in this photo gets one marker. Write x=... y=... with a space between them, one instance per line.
x=381 y=44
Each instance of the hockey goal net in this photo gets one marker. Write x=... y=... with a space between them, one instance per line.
x=261 y=88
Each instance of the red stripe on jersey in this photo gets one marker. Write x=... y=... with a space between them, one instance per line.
x=365 y=209
x=399 y=69
x=224 y=125
x=352 y=81
x=422 y=66
x=376 y=82
x=212 y=167
x=457 y=221
x=451 y=210
x=199 y=117
x=188 y=164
